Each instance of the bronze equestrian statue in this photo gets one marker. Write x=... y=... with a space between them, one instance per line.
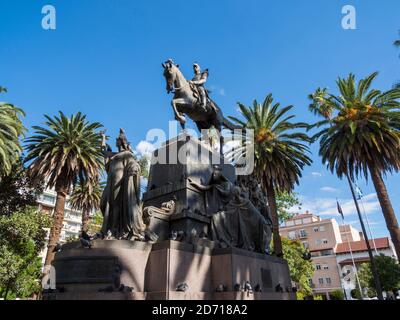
x=191 y=98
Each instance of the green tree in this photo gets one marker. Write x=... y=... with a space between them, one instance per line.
x=17 y=190
x=95 y=223
x=365 y=278
x=144 y=162
x=360 y=135
x=388 y=271
x=86 y=198
x=22 y=237
x=337 y=295
x=66 y=150
x=280 y=152
x=11 y=129
x=301 y=269
x=284 y=202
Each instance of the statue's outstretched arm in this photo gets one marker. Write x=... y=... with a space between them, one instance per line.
x=200 y=186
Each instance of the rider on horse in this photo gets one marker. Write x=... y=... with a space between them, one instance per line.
x=199 y=80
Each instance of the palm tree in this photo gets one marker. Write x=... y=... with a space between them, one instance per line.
x=86 y=197
x=11 y=128
x=66 y=150
x=280 y=152
x=362 y=136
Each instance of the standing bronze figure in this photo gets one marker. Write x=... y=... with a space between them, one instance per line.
x=120 y=203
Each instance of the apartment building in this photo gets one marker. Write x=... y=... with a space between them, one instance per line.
x=320 y=237
x=336 y=250
x=72 y=218
x=349 y=233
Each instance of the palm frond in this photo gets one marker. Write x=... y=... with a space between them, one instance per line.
x=67 y=148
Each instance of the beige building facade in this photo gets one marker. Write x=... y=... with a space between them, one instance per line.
x=336 y=251
x=320 y=237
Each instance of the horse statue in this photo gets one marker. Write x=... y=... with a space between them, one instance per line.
x=187 y=101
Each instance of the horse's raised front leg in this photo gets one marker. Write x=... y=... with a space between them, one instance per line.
x=178 y=116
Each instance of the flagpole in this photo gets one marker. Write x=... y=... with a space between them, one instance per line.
x=369 y=228
x=371 y=256
x=354 y=263
x=360 y=197
x=351 y=251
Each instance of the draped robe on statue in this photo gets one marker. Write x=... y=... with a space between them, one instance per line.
x=120 y=203
x=240 y=224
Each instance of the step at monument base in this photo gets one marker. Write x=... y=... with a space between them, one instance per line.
x=154 y=271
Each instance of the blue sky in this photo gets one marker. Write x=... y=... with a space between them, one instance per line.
x=104 y=59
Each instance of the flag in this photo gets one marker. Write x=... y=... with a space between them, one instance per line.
x=359 y=192
x=339 y=209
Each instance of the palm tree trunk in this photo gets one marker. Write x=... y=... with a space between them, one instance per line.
x=57 y=226
x=387 y=209
x=85 y=220
x=275 y=221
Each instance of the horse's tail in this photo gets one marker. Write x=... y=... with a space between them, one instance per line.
x=230 y=125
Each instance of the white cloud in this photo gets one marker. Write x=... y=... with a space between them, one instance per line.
x=145 y=148
x=329 y=189
x=217 y=89
x=316 y=174
x=327 y=206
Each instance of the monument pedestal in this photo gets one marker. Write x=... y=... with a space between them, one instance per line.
x=173 y=164
x=130 y=270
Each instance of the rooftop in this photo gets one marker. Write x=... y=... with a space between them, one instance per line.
x=381 y=243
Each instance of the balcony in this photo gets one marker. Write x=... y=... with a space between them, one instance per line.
x=294 y=235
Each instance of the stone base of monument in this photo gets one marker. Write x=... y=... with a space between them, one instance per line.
x=130 y=270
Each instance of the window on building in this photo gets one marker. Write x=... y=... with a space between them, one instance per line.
x=321 y=280
x=325 y=241
x=292 y=235
x=289 y=223
x=318 y=242
x=307 y=220
x=303 y=233
x=328 y=280
x=318 y=266
x=326 y=267
x=305 y=244
x=298 y=221
x=322 y=228
x=316 y=229
x=48 y=199
x=326 y=252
